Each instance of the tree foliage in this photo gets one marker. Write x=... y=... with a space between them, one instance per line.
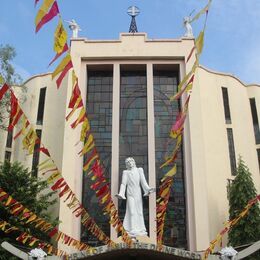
x=32 y=193
x=241 y=191
x=7 y=71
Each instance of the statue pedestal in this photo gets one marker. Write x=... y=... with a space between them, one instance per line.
x=141 y=239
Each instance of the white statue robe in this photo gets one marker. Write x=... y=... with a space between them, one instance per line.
x=132 y=180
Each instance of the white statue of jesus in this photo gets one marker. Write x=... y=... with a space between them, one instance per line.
x=132 y=180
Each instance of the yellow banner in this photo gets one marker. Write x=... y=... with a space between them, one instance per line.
x=29 y=140
x=200 y=42
x=43 y=10
x=170 y=173
x=201 y=12
x=61 y=66
x=60 y=37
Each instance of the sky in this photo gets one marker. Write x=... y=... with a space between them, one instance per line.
x=232 y=39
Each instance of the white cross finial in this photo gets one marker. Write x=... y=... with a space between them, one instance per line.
x=133 y=11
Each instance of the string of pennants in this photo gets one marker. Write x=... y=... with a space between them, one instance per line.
x=18 y=210
x=29 y=240
x=185 y=86
x=228 y=225
x=92 y=164
x=48 y=167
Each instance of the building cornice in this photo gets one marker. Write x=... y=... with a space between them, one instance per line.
x=122 y=35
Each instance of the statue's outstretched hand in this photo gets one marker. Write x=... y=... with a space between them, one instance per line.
x=151 y=190
x=120 y=197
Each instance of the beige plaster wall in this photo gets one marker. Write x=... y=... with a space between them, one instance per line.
x=209 y=146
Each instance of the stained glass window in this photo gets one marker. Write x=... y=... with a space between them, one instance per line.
x=133 y=140
x=99 y=108
x=165 y=111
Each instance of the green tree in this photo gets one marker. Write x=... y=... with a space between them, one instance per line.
x=7 y=71
x=7 y=75
x=241 y=191
x=32 y=193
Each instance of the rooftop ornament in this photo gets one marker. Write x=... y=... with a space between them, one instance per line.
x=74 y=27
x=187 y=24
x=133 y=11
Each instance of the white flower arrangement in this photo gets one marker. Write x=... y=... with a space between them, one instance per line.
x=37 y=253
x=228 y=253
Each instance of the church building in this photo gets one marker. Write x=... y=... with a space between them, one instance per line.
x=126 y=85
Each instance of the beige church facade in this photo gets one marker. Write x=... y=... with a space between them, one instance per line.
x=126 y=85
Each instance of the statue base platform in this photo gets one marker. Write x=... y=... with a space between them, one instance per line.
x=142 y=239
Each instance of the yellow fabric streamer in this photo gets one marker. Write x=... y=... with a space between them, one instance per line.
x=74 y=78
x=170 y=173
x=88 y=145
x=47 y=166
x=74 y=108
x=85 y=128
x=43 y=10
x=200 y=42
x=56 y=175
x=61 y=66
x=60 y=37
x=29 y=140
x=201 y=12
x=1 y=79
x=86 y=167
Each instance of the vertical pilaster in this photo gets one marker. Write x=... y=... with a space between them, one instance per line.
x=151 y=152
x=191 y=238
x=115 y=139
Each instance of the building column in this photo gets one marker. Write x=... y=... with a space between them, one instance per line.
x=115 y=140
x=151 y=153
x=189 y=193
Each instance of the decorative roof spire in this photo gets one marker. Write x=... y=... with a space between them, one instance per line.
x=133 y=11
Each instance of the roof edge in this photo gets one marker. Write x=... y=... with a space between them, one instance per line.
x=229 y=75
x=36 y=76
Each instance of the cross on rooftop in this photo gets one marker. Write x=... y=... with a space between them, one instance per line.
x=133 y=11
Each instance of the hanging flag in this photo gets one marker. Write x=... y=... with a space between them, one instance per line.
x=63 y=73
x=84 y=130
x=92 y=157
x=76 y=95
x=2 y=80
x=65 y=48
x=80 y=119
x=3 y=90
x=15 y=113
x=187 y=87
x=170 y=173
x=43 y=10
x=47 y=17
x=30 y=140
x=25 y=124
x=202 y=11
x=88 y=145
x=64 y=66
x=61 y=66
x=191 y=52
x=60 y=38
x=199 y=42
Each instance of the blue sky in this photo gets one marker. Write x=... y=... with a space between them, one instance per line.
x=232 y=41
